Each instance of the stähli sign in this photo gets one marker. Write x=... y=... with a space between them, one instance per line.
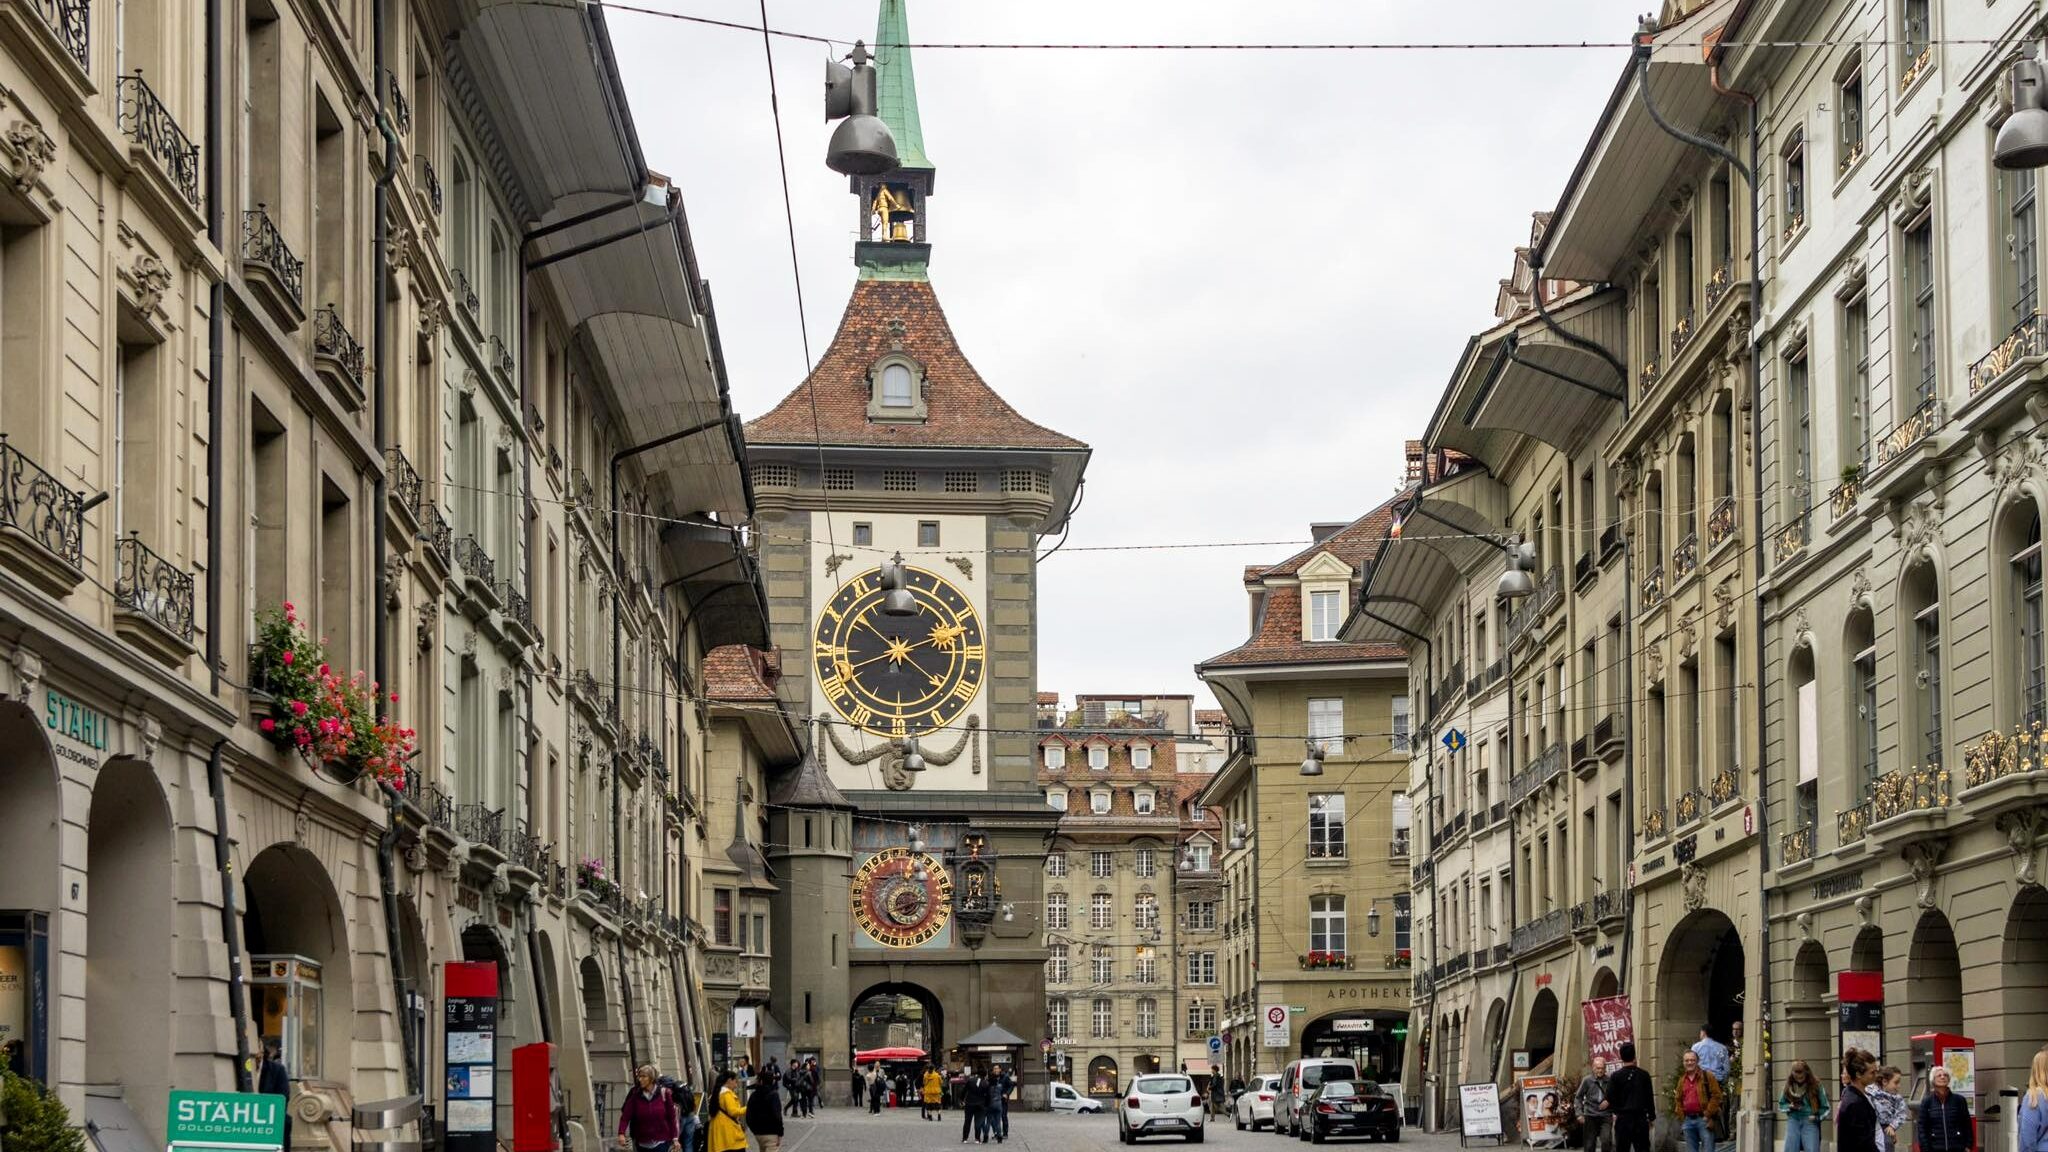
x=239 y=1120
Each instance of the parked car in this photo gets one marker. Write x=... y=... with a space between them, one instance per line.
x=1254 y=1107
x=1160 y=1106
x=1297 y=1081
x=1350 y=1108
x=1065 y=1099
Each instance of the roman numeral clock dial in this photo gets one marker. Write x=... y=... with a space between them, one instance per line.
x=897 y=676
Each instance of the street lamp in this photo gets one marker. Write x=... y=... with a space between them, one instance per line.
x=1312 y=764
x=2023 y=138
x=896 y=600
x=913 y=760
x=1238 y=831
x=1372 y=920
x=1517 y=581
x=863 y=144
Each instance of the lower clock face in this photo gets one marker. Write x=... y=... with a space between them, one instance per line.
x=896 y=908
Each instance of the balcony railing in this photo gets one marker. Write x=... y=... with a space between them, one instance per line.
x=1649 y=376
x=474 y=561
x=1720 y=523
x=1852 y=823
x=263 y=245
x=1724 y=787
x=431 y=180
x=465 y=295
x=586 y=684
x=70 y=21
x=435 y=530
x=1842 y=500
x=1909 y=432
x=1719 y=282
x=39 y=506
x=1605 y=731
x=1497 y=813
x=1487 y=677
x=2022 y=343
x=480 y=824
x=151 y=586
x=501 y=359
x=1791 y=540
x=401 y=109
x=1998 y=756
x=1541 y=932
x=1608 y=905
x=1909 y=790
x=402 y=479
x=1610 y=540
x=1655 y=824
x=1691 y=807
x=517 y=608
x=1685 y=557
x=1653 y=587
x=1796 y=846
x=334 y=345
x=151 y=126
x=1540 y=771
x=1681 y=334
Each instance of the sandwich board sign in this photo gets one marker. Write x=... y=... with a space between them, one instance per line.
x=245 y=1121
x=1479 y=1112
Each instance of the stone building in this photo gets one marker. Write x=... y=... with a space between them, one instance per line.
x=354 y=345
x=1109 y=895
x=926 y=715
x=1902 y=454
x=1313 y=908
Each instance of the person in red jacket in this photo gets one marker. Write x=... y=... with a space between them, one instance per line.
x=648 y=1119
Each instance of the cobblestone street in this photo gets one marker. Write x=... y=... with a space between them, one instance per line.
x=848 y=1130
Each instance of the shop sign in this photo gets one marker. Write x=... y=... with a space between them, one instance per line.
x=469 y=1047
x=1350 y=1025
x=239 y=1120
x=75 y=723
x=1479 y=1110
x=1610 y=1023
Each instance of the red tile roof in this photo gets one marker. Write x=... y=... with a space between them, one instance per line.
x=1211 y=716
x=962 y=410
x=1276 y=638
x=1048 y=697
x=739 y=674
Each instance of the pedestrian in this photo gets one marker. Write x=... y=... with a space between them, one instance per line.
x=1001 y=1084
x=1890 y=1105
x=1215 y=1090
x=793 y=1086
x=1804 y=1102
x=876 y=1090
x=2034 y=1107
x=860 y=1089
x=1697 y=1098
x=974 y=1108
x=1714 y=1055
x=902 y=1088
x=648 y=1120
x=686 y=1113
x=932 y=1093
x=764 y=1113
x=1856 y=1126
x=1632 y=1102
x=814 y=1084
x=1587 y=1101
x=274 y=1079
x=1944 y=1123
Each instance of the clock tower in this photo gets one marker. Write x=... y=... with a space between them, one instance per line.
x=902 y=505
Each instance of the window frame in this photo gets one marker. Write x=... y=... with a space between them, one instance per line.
x=1326 y=614
x=1326 y=826
x=1329 y=925
x=1851 y=126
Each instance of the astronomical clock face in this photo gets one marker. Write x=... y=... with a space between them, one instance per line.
x=896 y=908
x=900 y=675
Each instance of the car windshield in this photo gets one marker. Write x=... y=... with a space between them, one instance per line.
x=1314 y=1074
x=1338 y=1088
x=1162 y=1085
x=1269 y=1083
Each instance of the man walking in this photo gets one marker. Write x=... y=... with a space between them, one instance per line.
x=1632 y=1102
x=1697 y=1098
x=999 y=1086
x=1588 y=1101
x=974 y=1107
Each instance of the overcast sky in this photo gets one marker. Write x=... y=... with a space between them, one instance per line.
x=1242 y=278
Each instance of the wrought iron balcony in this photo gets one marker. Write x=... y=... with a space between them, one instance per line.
x=1681 y=334
x=517 y=608
x=152 y=128
x=1652 y=587
x=1842 y=501
x=1605 y=731
x=1608 y=905
x=1852 y=823
x=1908 y=433
x=465 y=295
x=1999 y=756
x=1541 y=932
x=500 y=358
x=153 y=587
x=1497 y=813
x=1909 y=790
x=1720 y=523
x=1610 y=540
x=431 y=181
x=474 y=561
x=1541 y=770
x=1719 y=282
x=1686 y=557
x=70 y=22
x=1796 y=846
x=1649 y=376
x=586 y=684
x=401 y=109
x=1583 y=567
x=402 y=480
x=1691 y=807
x=1655 y=824
x=481 y=825
x=263 y=246
x=1791 y=540
x=40 y=507
x=2024 y=342
x=335 y=349
x=435 y=531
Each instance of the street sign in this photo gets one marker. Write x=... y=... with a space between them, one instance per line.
x=1454 y=740
x=1215 y=1045
x=225 y=1120
x=1278 y=1035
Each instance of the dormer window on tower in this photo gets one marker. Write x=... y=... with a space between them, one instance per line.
x=896 y=387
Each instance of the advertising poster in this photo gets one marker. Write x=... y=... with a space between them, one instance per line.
x=1543 y=1114
x=13 y=997
x=469 y=1082
x=1479 y=1110
x=1609 y=1025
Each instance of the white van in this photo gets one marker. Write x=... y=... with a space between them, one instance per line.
x=1065 y=1099
x=1301 y=1078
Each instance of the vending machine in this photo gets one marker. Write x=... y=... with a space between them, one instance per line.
x=1958 y=1054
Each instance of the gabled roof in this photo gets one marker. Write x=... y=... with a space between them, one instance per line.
x=1276 y=639
x=962 y=410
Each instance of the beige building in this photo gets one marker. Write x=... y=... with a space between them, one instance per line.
x=1109 y=893
x=356 y=346
x=1313 y=870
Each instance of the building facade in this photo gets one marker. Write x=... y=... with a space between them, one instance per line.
x=1312 y=871
x=894 y=449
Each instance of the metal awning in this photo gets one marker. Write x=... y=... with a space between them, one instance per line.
x=1446 y=531
x=611 y=238
x=1622 y=174
x=721 y=584
x=1529 y=380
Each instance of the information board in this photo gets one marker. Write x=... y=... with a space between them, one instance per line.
x=1278 y=1034
x=1479 y=1110
x=469 y=1045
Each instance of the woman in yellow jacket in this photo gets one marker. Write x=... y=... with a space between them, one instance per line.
x=934 y=1094
x=728 y=1131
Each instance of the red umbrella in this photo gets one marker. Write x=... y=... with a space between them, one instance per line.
x=875 y=1054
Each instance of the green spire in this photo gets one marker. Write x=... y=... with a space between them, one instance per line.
x=897 y=83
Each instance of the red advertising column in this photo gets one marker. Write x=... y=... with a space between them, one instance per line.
x=1859 y=998
x=533 y=1099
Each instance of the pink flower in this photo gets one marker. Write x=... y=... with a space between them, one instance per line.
x=323 y=669
x=298 y=707
x=267 y=724
x=287 y=656
x=394 y=697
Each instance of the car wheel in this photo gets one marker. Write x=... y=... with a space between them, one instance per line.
x=1195 y=1137
x=1240 y=1121
x=1395 y=1135
x=1315 y=1134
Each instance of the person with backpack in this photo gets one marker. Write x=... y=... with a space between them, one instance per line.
x=2034 y=1106
x=648 y=1121
x=1632 y=1101
x=686 y=1108
x=974 y=1107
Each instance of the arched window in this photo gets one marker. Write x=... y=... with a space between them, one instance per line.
x=1920 y=641
x=896 y=386
x=2030 y=674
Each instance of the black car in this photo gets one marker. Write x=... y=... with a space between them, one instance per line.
x=1350 y=1108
